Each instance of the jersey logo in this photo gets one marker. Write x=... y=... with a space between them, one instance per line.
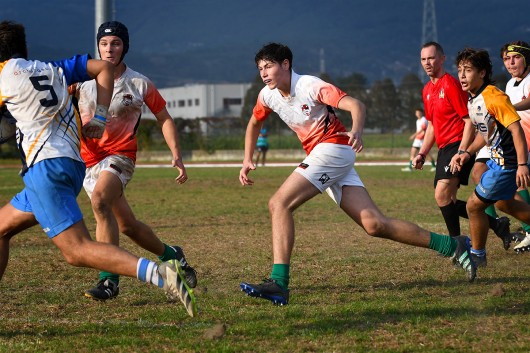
x=127 y=99
x=303 y=165
x=441 y=95
x=324 y=178
x=305 y=109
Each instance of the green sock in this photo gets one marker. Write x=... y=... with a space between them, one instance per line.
x=526 y=196
x=410 y=164
x=107 y=275
x=169 y=254
x=490 y=211
x=433 y=164
x=280 y=273
x=444 y=244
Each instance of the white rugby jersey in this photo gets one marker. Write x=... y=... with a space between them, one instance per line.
x=491 y=113
x=131 y=91
x=36 y=94
x=518 y=91
x=421 y=127
x=307 y=111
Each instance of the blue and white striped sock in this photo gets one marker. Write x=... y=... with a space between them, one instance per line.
x=479 y=253
x=147 y=271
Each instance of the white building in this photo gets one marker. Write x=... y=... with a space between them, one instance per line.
x=203 y=101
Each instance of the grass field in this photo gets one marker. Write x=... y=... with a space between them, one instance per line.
x=349 y=292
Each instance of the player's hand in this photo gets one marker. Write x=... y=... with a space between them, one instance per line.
x=418 y=161
x=95 y=127
x=183 y=176
x=354 y=140
x=243 y=173
x=522 y=176
x=456 y=163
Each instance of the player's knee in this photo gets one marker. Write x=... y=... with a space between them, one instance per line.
x=375 y=227
x=276 y=204
x=100 y=205
x=73 y=257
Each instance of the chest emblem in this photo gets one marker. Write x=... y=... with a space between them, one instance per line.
x=127 y=99
x=441 y=95
x=305 y=109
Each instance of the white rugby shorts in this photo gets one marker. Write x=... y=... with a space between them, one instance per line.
x=417 y=143
x=121 y=166
x=329 y=167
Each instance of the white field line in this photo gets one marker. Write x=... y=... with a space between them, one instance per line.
x=238 y=165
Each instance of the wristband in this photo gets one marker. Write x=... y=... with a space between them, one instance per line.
x=522 y=165
x=464 y=151
x=101 y=110
x=99 y=117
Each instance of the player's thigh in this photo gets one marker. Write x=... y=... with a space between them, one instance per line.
x=13 y=221
x=108 y=188
x=294 y=191
x=478 y=169
x=73 y=241
x=358 y=204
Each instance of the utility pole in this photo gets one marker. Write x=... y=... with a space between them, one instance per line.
x=429 y=32
x=322 y=62
x=104 y=13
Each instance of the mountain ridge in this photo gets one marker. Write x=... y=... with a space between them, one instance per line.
x=180 y=42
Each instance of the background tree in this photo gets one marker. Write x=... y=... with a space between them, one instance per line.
x=410 y=99
x=355 y=85
x=383 y=111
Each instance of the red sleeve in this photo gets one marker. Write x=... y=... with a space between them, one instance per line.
x=261 y=111
x=329 y=94
x=153 y=99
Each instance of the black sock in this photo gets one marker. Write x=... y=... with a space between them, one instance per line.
x=461 y=209
x=452 y=221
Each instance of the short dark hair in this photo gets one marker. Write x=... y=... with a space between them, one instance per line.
x=478 y=58
x=437 y=45
x=517 y=46
x=12 y=41
x=275 y=52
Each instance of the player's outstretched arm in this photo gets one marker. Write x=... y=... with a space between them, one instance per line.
x=169 y=130
x=103 y=72
x=251 y=137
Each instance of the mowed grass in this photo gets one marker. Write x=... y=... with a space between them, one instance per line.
x=349 y=292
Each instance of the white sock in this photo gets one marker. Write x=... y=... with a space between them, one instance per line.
x=147 y=271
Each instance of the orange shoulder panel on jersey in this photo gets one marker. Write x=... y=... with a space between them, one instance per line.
x=329 y=94
x=261 y=111
x=154 y=100
x=499 y=105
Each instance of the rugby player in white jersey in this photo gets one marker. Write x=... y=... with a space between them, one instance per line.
x=306 y=104
x=111 y=159
x=516 y=58
x=36 y=95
